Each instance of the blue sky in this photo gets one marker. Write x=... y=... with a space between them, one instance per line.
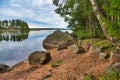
x=37 y=13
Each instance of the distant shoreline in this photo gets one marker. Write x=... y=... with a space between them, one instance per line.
x=49 y=29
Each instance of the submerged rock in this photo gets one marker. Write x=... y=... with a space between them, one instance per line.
x=39 y=57
x=4 y=67
x=58 y=39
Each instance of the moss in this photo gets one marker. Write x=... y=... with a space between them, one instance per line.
x=104 y=43
x=58 y=35
x=92 y=40
x=108 y=49
x=88 y=77
x=56 y=63
x=105 y=46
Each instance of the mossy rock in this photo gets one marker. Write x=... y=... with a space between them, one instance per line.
x=39 y=57
x=88 y=42
x=103 y=43
x=56 y=39
x=105 y=46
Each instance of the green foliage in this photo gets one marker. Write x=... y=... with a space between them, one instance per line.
x=113 y=28
x=56 y=63
x=104 y=43
x=82 y=34
x=112 y=75
x=88 y=77
x=80 y=18
x=14 y=24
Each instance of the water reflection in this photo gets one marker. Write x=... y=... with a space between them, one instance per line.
x=18 y=49
x=13 y=35
x=21 y=45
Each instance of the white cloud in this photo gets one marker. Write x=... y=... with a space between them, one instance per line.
x=34 y=12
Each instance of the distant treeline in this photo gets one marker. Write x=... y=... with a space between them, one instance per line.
x=49 y=29
x=13 y=24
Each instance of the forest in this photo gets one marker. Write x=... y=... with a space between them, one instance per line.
x=13 y=24
x=92 y=18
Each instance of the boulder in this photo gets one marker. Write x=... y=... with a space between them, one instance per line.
x=56 y=39
x=101 y=46
x=86 y=44
x=4 y=67
x=39 y=57
x=76 y=49
x=104 y=55
x=60 y=47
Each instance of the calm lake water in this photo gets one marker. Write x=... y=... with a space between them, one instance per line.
x=16 y=46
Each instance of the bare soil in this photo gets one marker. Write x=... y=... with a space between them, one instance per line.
x=73 y=67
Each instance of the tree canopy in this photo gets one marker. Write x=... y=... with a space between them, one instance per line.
x=13 y=24
x=91 y=17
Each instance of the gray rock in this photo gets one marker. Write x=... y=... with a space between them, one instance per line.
x=76 y=49
x=81 y=50
x=39 y=57
x=104 y=55
x=63 y=46
x=94 y=50
x=56 y=39
x=4 y=67
x=114 y=57
x=113 y=66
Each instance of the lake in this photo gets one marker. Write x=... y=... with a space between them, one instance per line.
x=16 y=46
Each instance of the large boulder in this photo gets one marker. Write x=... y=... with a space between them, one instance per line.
x=39 y=57
x=4 y=67
x=58 y=39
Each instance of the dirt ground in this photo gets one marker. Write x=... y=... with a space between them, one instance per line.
x=73 y=67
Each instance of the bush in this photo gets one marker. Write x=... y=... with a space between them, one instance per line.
x=56 y=63
x=82 y=34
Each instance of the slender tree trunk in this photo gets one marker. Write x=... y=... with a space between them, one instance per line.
x=99 y=16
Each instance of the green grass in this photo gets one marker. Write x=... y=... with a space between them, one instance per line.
x=111 y=75
x=56 y=63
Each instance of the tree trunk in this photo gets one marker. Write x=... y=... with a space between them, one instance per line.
x=99 y=15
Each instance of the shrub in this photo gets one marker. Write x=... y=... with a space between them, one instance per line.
x=82 y=34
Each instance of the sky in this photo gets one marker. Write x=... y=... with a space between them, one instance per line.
x=37 y=13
